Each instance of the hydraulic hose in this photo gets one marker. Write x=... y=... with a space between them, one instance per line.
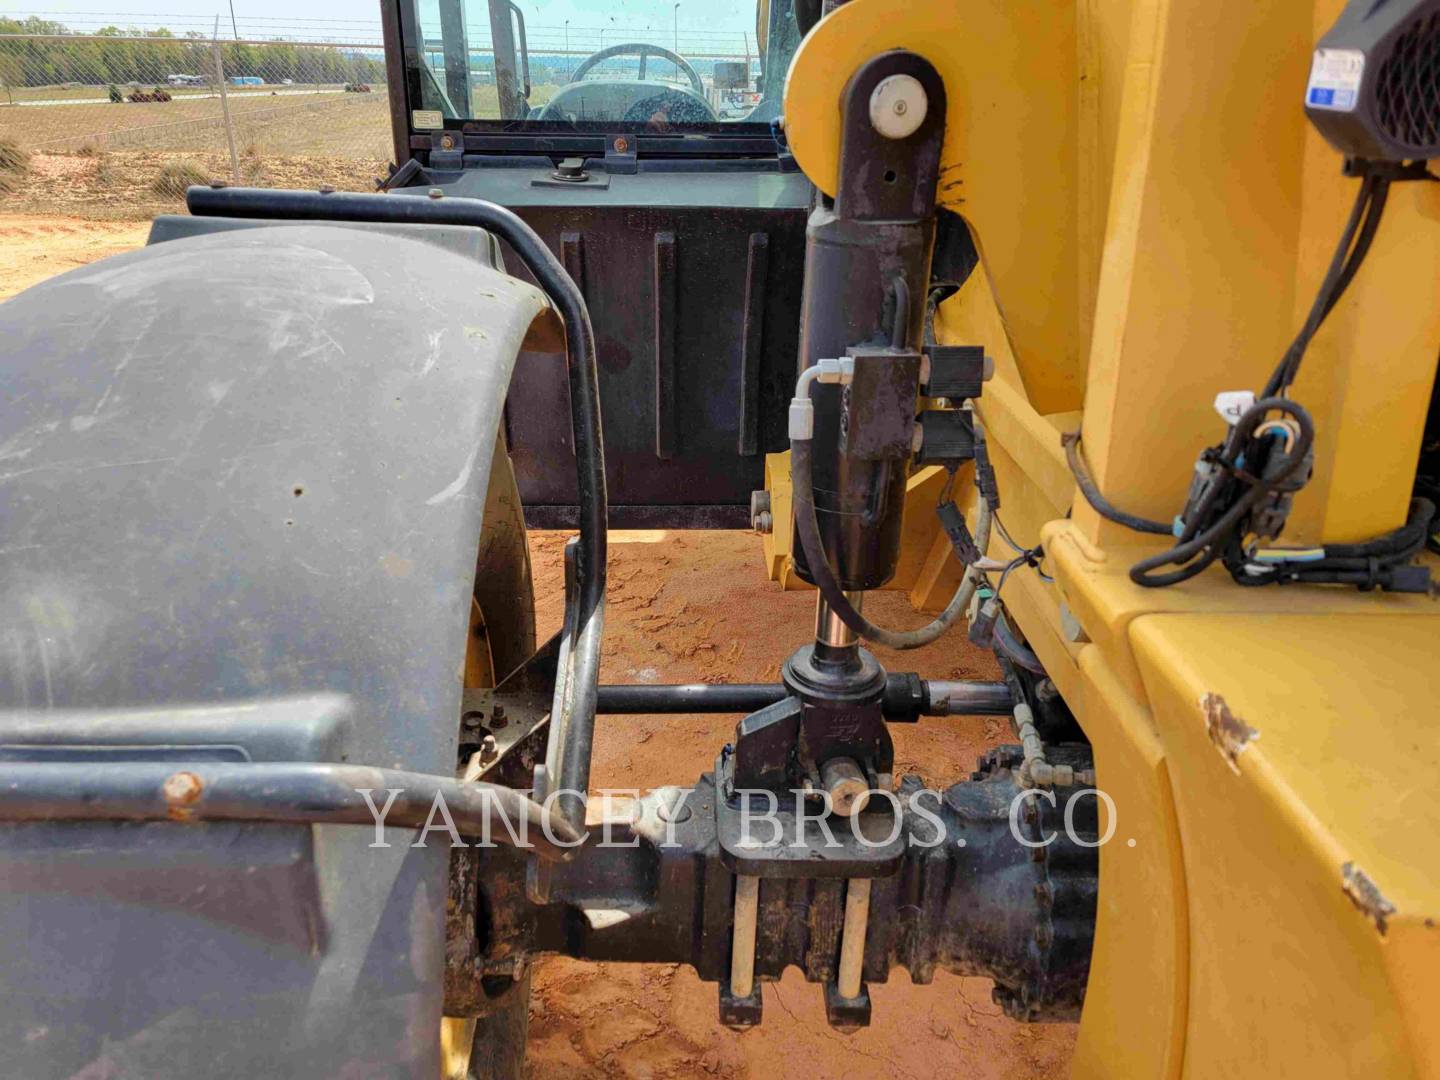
x=807 y=526
x=573 y=729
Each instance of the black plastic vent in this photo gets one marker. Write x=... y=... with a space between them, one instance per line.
x=1407 y=90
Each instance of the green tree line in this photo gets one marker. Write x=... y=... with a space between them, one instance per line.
x=119 y=58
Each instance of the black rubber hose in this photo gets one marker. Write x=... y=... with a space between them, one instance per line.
x=576 y=712
x=1405 y=541
x=1103 y=506
x=275 y=792
x=1364 y=218
x=1011 y=646
x=808 y=528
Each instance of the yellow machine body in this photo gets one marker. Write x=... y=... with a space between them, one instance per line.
x=1153 y=215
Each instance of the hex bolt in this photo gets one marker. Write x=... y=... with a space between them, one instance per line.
x=742 y=945
x=852 y=939
x=489 y=749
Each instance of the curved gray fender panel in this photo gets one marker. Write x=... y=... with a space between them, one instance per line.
x=244 y=471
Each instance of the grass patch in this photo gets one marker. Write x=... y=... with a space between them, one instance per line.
x=13 y=157
x=106 y=174
x=14 y=164
x=175 y=176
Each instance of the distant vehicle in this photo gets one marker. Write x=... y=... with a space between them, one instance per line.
x=185 y=80
x=246 y=80
x=287 y=82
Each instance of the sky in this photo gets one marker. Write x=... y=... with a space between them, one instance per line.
x=698 y=20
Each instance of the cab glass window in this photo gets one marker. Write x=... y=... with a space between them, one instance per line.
x=646 y=65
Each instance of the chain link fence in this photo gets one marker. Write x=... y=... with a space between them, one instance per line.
x=247 y=111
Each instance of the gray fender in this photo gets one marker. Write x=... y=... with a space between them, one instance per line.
x=242 y=478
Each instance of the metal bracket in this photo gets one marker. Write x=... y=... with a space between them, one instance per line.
x=503 y=731
x=882 y=178
x=620 y=155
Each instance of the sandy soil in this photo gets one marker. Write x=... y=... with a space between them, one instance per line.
x=33 y=248
x=689 y=607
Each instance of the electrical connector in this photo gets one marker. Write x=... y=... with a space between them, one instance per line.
x=982 y=623
x=953 y=522
x=1409 y=579
x=985 y=472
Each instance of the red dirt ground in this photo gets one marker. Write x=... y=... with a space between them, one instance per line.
x=696 y=607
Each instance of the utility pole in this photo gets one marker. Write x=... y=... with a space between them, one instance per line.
x=677 y=28
x=569 y=64
x=234 y=27
x=225 y=103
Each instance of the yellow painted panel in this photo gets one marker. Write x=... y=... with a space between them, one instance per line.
x=1106 y=601
x=1371 y=367
x=1134 y=1019
x=1288 y=976
x=1203 y=213
x=1012 y=83
x=919 y=527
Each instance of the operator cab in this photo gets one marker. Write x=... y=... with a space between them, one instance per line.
x=643 y=144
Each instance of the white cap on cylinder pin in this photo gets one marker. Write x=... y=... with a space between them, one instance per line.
x=898 y=105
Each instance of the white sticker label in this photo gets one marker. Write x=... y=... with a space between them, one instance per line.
x=1335 y=77
x=427 y=119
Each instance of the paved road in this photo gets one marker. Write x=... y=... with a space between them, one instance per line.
x=236 y=93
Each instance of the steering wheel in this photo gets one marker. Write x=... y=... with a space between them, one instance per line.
x=641 y=49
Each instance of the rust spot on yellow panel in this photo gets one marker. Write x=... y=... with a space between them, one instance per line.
x=1366 y=895
x=1227 y=731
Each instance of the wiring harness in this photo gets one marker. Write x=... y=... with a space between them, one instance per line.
x=1243 y=488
